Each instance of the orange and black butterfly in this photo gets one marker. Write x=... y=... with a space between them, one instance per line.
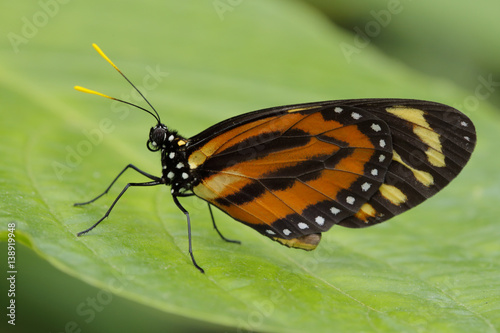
x=292 y=172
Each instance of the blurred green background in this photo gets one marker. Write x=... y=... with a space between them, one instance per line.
x=217 y=59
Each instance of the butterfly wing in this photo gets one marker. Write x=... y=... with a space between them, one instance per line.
x=293 y=172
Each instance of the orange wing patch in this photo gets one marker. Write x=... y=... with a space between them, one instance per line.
x=315 y=124
x=212 y=146
x=267 y=129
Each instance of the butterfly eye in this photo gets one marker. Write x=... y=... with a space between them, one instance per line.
x=157 y=136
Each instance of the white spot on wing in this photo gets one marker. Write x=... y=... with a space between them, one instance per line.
x=170 y=175
x=338 y=110
x=179 y=165
x=464 y=124
x=185 y=175
x=382 y=143
x=355 y=115
x=374 y=172
x=320 y=220
x=286 y=232
x=366 y=186
x=334 y=210
x=171 y=155
x=270 y=232
x=381 y=158
x=302 y=225
x=376 y=127
x=350 y=200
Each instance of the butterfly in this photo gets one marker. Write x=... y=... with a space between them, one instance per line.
x=292 y=172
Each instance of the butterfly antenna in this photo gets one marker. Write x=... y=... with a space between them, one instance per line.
x=85 y=90
x=88 y=91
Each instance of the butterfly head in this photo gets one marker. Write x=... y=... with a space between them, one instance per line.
x=158 y=137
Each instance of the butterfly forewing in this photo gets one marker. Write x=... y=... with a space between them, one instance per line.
x=298 y=170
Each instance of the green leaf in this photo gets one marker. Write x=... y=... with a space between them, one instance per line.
x=435 y=268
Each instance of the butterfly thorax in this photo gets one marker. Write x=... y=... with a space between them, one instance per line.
x=175 y=168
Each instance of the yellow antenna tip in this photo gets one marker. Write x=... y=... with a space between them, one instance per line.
x=88 y=91
x=102 y=54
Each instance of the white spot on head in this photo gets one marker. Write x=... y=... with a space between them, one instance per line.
x=366 y=186
x=381 y=158
x=350 y=200
x=355 y=115
x=270 y=232
x=320 y=220
x=164 y=167
x=185 y=175
x=334 y=210
x=171 y=155
x=374 y=172
x=286 y=232
x=467 y=138
x=382 y=143
x=338 y=110
x=170 y=175
x=154 y=143
x=171 y=138
x=376 y=127
x=302 y=225
x=179 y=165
x=172 y=191
x=464 y=124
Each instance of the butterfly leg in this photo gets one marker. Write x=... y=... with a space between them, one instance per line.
x=189 y=232
x=153 y=183
x=116 y=178
x=216 y=229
